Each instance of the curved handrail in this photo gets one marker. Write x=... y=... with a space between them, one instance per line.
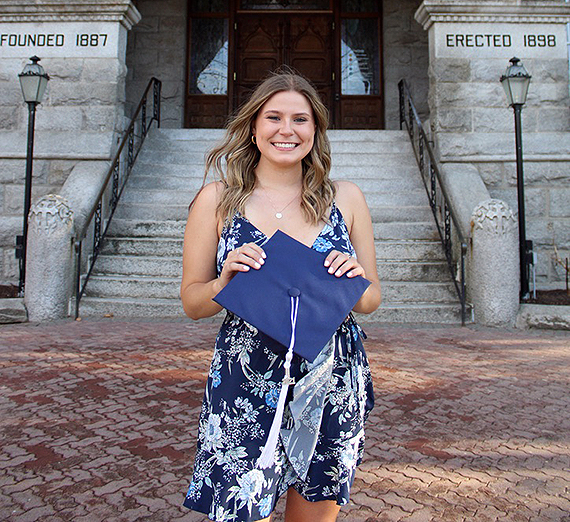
x=438 y=197
x=115 y=181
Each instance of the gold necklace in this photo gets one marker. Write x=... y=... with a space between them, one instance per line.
x=278 y=213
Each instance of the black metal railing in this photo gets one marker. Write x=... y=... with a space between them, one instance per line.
x=445 y=219
x=99 y=219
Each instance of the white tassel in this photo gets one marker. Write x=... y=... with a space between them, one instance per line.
x=267 y=457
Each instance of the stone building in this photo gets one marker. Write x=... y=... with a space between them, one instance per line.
x=208 y=54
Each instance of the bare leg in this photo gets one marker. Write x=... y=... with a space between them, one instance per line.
x=300 y=510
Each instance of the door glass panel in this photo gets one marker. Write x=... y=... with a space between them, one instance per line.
x=359 y=6
x=360 y=68
x=210 y=6
x=209 y=56
x=285 y=4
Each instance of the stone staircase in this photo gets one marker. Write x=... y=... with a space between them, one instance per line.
x=138 y=272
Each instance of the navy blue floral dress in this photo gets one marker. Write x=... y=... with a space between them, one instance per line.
x=322 y=434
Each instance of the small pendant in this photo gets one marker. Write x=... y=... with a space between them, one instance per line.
x=278 y=215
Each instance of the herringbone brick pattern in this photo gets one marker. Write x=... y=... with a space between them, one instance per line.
x=98 y=423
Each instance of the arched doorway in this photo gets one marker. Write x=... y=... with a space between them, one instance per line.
x=233 y=44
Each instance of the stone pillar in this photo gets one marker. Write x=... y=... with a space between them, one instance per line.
x=48 y=268
x=493 y=281
x=470 y=45
x=82 y=46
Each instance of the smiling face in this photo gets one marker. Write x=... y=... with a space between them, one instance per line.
x=284 y=129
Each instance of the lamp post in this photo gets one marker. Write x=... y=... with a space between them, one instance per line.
x=33 y=80
x=515 y=81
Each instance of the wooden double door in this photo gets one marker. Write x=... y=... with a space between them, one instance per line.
x=230 y=52
x=266 y=42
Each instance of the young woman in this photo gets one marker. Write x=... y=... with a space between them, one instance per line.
x=274 y=174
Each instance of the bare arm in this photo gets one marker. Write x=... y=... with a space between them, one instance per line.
x=352 y=204
x=199 y=282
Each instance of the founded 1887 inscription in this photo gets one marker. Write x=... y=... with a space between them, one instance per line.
x=59 y=40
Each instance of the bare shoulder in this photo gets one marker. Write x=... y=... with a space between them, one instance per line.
x=350 y=200
x=208 y=196
x=348 y=192
x=202 y=213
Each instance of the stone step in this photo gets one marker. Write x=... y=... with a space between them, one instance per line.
x=418 y=292
x=125 y=227
x=390 y=168
x=145 y=211
x=159 y=247
x=394 y=156
x=121 y=227
x=132 y=308
x=389 y=142
x=164 y=287
x=141 y=246
x=162 y=266
x=401 y=214
x=425 y=230
x=183 y=196
x=151 y=212
x=163 y=180
x=132 y=265
x=133 y=287
x=409 y=250
x=419 y=271
x=408 y=313
x=186 y=134
x=420 y=313
x=333 y=135
x=366 y=135
x=198 y=146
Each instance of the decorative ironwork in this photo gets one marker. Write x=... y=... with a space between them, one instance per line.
x=115 y=192
x=143 y=118
x=131 y=148
x=100 y=217
x=156 y=88
x=445 y=219
x=97 y=229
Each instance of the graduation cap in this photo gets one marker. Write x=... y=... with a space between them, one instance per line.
x=293 y=299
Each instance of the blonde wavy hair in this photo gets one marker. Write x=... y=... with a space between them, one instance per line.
x=241 y=155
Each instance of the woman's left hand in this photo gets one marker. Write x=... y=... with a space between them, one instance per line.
x=340 y=263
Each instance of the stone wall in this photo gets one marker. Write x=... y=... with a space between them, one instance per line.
x=474 y=127
x=82 y=109
x=406 y=55
x=157 y=47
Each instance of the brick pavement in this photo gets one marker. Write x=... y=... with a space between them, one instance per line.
x=98 y=423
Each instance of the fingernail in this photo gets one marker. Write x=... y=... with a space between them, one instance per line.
x=349 y=274
x=327 y=262
x=261 y=261
x=246 y=268
x=331 y=270
x=337 y=273
x=257 y=265
x=264 y=255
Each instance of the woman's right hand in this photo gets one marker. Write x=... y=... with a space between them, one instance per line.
x=242 y=259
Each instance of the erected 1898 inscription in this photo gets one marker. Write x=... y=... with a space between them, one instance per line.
x=499 y=40
x=475 y=40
